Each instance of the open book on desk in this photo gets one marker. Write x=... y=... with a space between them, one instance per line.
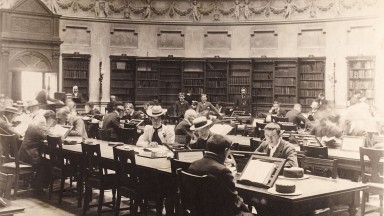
x=61 y=130
x=261 y=171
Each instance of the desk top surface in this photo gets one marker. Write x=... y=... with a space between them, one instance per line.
x=11 y=208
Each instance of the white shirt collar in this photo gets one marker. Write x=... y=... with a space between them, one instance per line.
x=273 y=149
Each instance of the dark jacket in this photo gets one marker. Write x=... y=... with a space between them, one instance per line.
x=243 y=104
x=110 y=106
x=207 y=106
x=180 y=108
x=111 y=122
x=30 y=150
x=201 y=143
x=225 y=199
x=183 y=128
x=295 y=117
x=93 y=112
x=135 y=115
x=285 y=150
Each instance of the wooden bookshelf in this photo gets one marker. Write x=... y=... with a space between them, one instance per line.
x=216 y=80
x=193 y=76
x=76 y=72
x=361 y=76
x=170 y=71
x=147 y=80
x=285 y=82
x=262 y=85
x=123 y=70
x=239 y=72
x=311 y=80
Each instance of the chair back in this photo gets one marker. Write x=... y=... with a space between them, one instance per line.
x=277 y=119
x=92 y=160
x=55 y=148
x=92 y=129
x=260 y=130
x=125 y=164
x=254 y=144
x=291 y=128
x=6 y=181
x=126 y=135
x=104 y=135
x=372 y=171
x=177 y=164
x=202 y=196
x=9 y=149
x=320 y=167
x=182 y=139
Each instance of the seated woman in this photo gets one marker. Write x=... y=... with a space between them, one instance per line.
x=30 y=150
x=157 y=133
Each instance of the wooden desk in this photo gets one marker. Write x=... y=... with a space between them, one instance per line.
x=11 y=209
x=318 y=192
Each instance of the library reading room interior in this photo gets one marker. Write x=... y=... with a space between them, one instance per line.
x=192 y=107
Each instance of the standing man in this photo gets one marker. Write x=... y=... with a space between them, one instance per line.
x=111 y=105
x=76 y=96
x=111 y=121
x=276 y=147
x=205 y=105
x=323 y=104
x=181 y=106
x=243 y=102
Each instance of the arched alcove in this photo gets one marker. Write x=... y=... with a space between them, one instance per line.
x=30 y=61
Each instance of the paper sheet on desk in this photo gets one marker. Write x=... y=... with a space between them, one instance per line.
x=222 y=129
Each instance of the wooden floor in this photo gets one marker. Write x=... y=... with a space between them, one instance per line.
x=40 y=205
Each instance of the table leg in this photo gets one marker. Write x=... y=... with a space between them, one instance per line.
x=352 y=206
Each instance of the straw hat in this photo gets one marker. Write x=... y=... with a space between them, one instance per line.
x=156 y=111
x=32 y=103
x=13 y=110
x=200 y=122
x=19 y=104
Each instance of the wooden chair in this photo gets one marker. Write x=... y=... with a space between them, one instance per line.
x=12 y=165
x=320 y=167
x=372 y=174
x=95 y=176
x=104 y=135
x=60 y=169
x=126 y=135
x=5 y=185
x=175 y=165
x=277 y=119
x=92 y=129
x=127 y=180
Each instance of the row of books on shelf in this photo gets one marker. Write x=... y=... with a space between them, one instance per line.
x=311 y=84
x=361 y=84
x=234 y=89
x=285 y=90
x=193 y=75
x=306 y=101
x=215 y=99
x=144 y=97
x=239 y=66
x=147 y=91
x=76 y=65
x=309 y=93
x=171 y=85
x=192 y=66
x=122 y=76
x=263 y=100
x=262 y=84
x=170 y=78
x=147 y=67
x=194 y=82
x=144 y=75
x=317 y=67
x=73 y=82
x=195 y=91
x=235 y=73
x=290 y=72
x=122 y=66
x=122 y=91
x=286 y=99
x=260 y=66
x=267 y=92
x=216 y=84
x=216 y=74
x=285 y=81
x=361 y=73
x=311 y=76
x=147 y=84
x=126 y=84
x=369 y=64
x=75 y=74
x=238 y=81
x=171 y=98
x=262 y=76
x=216 y=91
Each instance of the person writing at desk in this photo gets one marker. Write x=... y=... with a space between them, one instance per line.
x=276 y=110
x=65 y=117
x=157 y=133
x=184 y=126
x=111 y=121
x=90 y=109
x=130 y=113
x=275 y=146
x=201 y=126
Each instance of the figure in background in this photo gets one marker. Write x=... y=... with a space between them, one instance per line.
x=314 y=113
x=201 y=126
x=43 y=98
x=6 y=118
x=184 y=126
x=243 y=102
x=295 y=116
x=111 y=105
x=111 y=121
x=90 y=109
x=71 y=106
x=323 y=104
x=288 y=9
x=357 y=94
x=180 y=106
x=205 y=105
x=65 y=117
x=130 y=113
x=188 y=97
x=22 y=120
x=276 y=147
x=157 y=133
x=34 y=111
x=277 y=110
x=247 y=10
x=213 y=165
x=76 y=96
x=195 y=11
x=236 y=11
x=194 y=105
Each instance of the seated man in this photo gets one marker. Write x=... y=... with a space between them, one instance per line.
x=183 y=128
x=111 y=105
x=295 y=116
x=213 y=165
x=276 y=110
x=111 y=121
x=275 y=146
x=201 y=126
x=314 y=113
x=65 y=117
x=180 y=106
x=130 y=113
x=157 y=133
x=6 y=119
x=205 y=105
x=90 y=109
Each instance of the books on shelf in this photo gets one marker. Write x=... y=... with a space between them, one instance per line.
x=262 y=76
x=362 y=73
x=75 y=74
x=243 y=80
x=75 y=64
x=285 y=81
x=262 y=84
x=361 y=84
x=312 y=84
x=145 y=75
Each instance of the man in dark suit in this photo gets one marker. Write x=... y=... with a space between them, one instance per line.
x=111 y=121
x=276 y=147
x=205 y=105
x=225 y=200
x=183 y=128
x=76 y=96
x=277 y=110
x=295 y=116
x=243 y=102
x=130 y=113
x=111 y=105
x=323 y=104
x=180 y=105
